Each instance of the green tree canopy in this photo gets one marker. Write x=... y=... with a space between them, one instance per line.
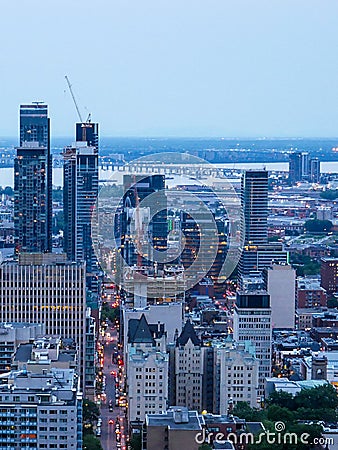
x=90 y=442
x=91 y=411
x=318 y=226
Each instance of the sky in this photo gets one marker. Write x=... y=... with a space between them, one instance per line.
x=197 y=68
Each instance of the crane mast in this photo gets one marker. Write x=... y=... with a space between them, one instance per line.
x=73 y=97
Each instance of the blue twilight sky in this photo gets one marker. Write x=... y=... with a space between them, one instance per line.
x=174 y=67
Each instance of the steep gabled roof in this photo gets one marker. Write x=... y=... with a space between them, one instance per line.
x=139 y=331
x=188 y=332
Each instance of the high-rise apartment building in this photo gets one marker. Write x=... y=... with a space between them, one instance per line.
x=88 y=132
x=81 y=182
x=33 y=181
x=252 y=321
x=254 y=200
x=303 y=168
x=48 y=289
x=314 y=170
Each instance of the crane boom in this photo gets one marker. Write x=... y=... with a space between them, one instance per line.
x=73 y=97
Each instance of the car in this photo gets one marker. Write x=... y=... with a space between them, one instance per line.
x=111 y=421
x=98 y=431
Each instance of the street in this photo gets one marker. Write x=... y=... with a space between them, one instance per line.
x=108 y=435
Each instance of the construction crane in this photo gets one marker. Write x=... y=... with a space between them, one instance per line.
x=74 y=100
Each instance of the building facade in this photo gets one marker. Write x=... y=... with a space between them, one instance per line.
x=329 y=274
x=81 y=181
x=33 y=181
x=254 y=200
x=281 y=286
x=252 y=321
x=236 y=376
x=41 y=410
x=189 y=369
x=48 y=289
x=147 y=367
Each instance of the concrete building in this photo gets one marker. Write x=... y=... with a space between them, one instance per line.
x=256 y=258
x=170 y=313
x=45 y=353
x=324 y=213
x=252 y=321
x=144 y=286
x=236 y=375
x=281 y=286
x=147 y=364
x=90 y=352
x=48 y=289
x=174 y=429
x=329 y=274
x=189 y=369
x=309 y=293
x=11 y=336
x=41 y=410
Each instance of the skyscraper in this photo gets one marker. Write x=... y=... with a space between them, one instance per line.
x=33 y=181
x=295 y=167
x=303 y=168
x=80 y=193
x=314 y=170
x=88 y=132
x=35 y=124
x=137 y=188
x=254 y=199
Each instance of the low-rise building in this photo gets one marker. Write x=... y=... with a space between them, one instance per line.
x=41 y=410
x=175 y=429
x=310 y=294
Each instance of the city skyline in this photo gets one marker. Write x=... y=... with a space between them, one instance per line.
x=231 y=69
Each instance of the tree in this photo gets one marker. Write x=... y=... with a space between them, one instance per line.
x=204 y=447
x=136 y=442
x=277 y=413
x=282 y=399
x=332 y=303
x=91 y=412
x=320 y=397
x=244 y=411
x=107 y=312
x=329 y=194
x=90 y=442
x=318 y=226
x=8 y=191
